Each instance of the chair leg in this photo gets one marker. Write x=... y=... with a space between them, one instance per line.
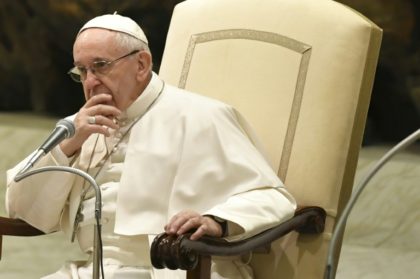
x=202 y=270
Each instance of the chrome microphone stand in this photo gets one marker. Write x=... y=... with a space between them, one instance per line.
x=330 y=267
x=97 y=247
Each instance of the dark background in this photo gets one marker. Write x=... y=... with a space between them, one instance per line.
x=36 y=39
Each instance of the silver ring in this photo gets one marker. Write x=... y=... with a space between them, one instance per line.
x=91 y=120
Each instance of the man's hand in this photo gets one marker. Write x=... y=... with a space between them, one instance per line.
x=104 y=116
x=187 y=220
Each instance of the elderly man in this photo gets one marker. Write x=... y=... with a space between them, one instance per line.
x=164 y=158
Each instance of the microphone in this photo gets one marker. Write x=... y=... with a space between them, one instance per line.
x=63 y=129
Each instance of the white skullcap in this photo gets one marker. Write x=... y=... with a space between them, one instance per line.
x=117 y=23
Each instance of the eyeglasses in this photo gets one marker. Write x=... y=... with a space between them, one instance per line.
x=102 y=67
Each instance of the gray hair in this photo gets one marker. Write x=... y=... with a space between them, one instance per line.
x=130 y=43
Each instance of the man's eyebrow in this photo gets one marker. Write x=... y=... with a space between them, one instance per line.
x=96 y=59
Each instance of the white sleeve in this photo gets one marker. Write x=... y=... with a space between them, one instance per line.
x=39 y=199
x=254 y=211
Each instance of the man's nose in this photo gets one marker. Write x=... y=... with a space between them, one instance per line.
x=91 y=79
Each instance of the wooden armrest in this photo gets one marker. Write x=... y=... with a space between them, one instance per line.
x=16 y=227
x=179 y=252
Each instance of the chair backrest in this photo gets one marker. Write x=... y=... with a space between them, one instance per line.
x=301 y=72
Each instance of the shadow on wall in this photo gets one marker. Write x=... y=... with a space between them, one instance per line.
x=395 y=105
x=36 y=40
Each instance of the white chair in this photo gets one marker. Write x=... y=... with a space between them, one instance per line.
x=301 y=72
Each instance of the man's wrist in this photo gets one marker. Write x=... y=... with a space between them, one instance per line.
x=222 y=223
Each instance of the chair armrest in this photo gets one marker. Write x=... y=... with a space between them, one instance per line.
x=179 y=252
x=17 y=227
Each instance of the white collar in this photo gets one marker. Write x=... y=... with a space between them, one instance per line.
x=146 y=98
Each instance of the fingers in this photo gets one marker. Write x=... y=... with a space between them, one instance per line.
x=98 y=112
x=98 y=99
x=178 y=220
x=188 y=220
x=101 y=109
x=96 y=116
x=100 y=120
x=100 y=105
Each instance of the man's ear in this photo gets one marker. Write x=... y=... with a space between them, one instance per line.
x=144 y=64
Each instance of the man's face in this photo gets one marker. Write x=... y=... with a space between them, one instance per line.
x=123 y=80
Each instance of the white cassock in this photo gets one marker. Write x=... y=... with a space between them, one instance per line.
x=184 y=151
